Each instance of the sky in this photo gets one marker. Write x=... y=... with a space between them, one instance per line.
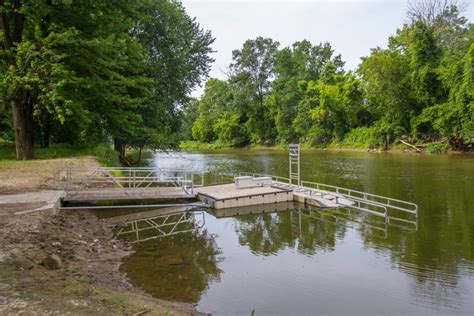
x=352 y=27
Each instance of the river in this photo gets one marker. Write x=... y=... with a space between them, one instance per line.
x=304 y=261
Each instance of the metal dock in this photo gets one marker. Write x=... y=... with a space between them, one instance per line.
x=236 y=190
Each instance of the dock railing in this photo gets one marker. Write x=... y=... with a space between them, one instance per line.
x=129 y=179
x=274 y=178
x=364 y=197
x=380 y=205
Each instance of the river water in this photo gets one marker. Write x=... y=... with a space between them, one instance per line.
x=308 y=261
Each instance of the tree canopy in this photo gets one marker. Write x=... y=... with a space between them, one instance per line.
x=418 y=89
x=97 y=71
x=121 y=72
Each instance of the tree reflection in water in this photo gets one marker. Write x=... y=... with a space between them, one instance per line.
x=267 y=234
x=178 y=267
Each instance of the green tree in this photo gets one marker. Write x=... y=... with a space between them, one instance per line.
x=216 y=100
x=188 y=115
x=253 y=66
x=60 y=65
x=177 y=58
x=90 y=71
x=301 y=61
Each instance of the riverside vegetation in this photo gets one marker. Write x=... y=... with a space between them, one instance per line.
x=97 y=72
x=420 y=90
x=120 y=73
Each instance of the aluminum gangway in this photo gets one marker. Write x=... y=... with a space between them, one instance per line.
x=115 y=183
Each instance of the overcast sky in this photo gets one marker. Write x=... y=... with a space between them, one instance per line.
x=352 y=27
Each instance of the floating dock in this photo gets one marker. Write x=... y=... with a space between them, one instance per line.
x=228 y=195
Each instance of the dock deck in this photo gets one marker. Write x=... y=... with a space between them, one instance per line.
x=227 y=195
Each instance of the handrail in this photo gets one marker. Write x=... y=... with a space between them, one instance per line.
x=364 y=196
x=126 y=178
x=274 y=178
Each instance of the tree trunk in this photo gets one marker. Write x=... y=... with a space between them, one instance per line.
x=23 y=123
x=120 y=148
x=46 y=134
x=139 y=155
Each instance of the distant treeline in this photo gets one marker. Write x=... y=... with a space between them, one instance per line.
x=97 y=71
x=420 y=89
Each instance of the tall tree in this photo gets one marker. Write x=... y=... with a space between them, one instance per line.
x=177 y=59
x=93 y=70
x=253 y=65
x=55 y=61
x=217 y=99
x=12 y=22
x=300 y=62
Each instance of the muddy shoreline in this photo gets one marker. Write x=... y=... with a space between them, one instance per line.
x=67 y=263
x=86 y=280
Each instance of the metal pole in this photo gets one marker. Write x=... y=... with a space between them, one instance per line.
x=298 y=166
x=289 y=178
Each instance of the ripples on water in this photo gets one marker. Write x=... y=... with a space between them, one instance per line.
x=305 y=261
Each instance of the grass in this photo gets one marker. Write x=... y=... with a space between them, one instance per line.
x=72 y=286
x=117 y=303
x=132 y=156
x=104 y=153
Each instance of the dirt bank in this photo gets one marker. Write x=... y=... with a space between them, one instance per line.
x=66 y=263
x=35 y=175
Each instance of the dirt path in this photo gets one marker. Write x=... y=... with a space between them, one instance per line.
x=65 y=263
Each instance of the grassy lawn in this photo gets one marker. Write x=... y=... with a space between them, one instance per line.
x=105 y=155
x=38 y=174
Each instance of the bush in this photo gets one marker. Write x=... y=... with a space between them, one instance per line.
x=362 y=137
x=107 y=156
x=193 y=145
x=436 y=148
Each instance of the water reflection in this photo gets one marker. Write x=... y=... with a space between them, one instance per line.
x=175 y=267
x=163 y=222
x=305 y=228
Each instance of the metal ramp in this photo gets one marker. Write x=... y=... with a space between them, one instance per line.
x=115 y=183
x=376 y=204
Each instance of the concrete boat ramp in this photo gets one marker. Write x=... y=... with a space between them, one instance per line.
x=19 y=204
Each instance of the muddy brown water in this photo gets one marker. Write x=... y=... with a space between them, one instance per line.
x=309 y=261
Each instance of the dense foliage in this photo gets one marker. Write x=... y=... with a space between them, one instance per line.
x=419 y=89
x=97 y=71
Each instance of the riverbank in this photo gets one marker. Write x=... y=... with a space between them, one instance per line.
x=64 y=263
x=399 y=148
